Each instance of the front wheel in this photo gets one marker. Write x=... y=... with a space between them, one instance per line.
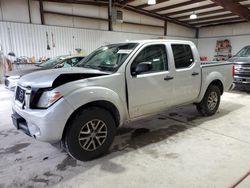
x=210 y=102
x=90 y=134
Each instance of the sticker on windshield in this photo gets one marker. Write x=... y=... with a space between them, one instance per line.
x=124 y=51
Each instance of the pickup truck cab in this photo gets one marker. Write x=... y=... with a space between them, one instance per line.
x=83 y=106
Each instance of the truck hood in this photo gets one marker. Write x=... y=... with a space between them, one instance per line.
x=22 y=72
x=56 y=77
x=240 y=60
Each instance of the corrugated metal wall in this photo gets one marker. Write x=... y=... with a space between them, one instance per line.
x=30 y=39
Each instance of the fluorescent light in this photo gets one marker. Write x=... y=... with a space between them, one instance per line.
x=151 y=2
x=193 y=16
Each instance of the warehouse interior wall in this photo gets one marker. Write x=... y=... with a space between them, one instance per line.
x=238 y=34
x=70 y=32
x=9 y=13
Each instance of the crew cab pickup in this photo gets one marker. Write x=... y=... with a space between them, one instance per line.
x=83 y=106
x=242 y=68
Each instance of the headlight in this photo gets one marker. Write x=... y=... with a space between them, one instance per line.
x=48 y=98
x=14 y=77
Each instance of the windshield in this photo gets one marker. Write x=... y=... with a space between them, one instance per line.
x=108 y=58
x=52 y=62
x=244 y=52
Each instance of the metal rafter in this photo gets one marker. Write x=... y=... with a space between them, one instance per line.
x=186 y=3
x=211 y=17
x=218 y=21
x=123 y=6
x=191 y=9
x=202 y=14
x=235 y=8
x=147 y=5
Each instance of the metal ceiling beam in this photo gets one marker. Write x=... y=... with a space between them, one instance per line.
x=151 y=14
x=218 y=21
x=228 y=23
x=191 y=10
x=234 y=7
x=147 y=5
x=201 y=14
x=211 y=17
x=123 y=6
x=186 y=3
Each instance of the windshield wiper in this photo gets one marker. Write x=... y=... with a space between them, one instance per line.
x=91 y=67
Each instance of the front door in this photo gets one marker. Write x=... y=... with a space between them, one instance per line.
x=151 y=90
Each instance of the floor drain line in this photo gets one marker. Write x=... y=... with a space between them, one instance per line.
x=240 y=180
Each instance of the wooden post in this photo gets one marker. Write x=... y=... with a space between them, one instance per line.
x=110 y=15
x=41 y=12
x=29 y=11
x=197 y=32
x=165 y=28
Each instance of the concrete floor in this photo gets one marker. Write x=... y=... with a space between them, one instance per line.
x=173 y=149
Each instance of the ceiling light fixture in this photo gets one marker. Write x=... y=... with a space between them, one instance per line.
x=193 y=16
x=151 y=2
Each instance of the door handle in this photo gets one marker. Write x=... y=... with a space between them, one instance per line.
x=195 y=73
x=168 y=78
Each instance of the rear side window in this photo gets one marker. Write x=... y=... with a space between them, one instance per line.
x=183 y=56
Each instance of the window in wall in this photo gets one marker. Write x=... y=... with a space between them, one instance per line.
x=183 y=55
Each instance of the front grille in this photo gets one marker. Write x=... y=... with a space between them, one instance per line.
x=242 y=70
x=242 y=75
x=20 y=94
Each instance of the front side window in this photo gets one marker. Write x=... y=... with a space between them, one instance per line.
x=183 y=56
x=155 y=56
x=108 y=58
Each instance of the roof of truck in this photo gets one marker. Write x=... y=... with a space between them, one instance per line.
x=158 y=40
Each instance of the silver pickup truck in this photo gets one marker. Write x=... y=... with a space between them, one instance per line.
x=83 y=106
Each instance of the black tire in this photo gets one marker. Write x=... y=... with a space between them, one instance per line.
x=204 y=107
x=84 y=122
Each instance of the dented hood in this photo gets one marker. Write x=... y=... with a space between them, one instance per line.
x=57 y=77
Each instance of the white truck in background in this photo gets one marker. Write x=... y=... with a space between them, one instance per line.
x=83 y=106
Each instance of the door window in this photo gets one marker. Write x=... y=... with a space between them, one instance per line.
x=155 y=56
x=183 y=56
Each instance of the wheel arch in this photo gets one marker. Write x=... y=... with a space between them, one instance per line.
x=107 y=105
x=219 y=84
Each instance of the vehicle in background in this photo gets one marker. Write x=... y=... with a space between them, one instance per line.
x=11 y=78
x=84 y=105
x=242 y=68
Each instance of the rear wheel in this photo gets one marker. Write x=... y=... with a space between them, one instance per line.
x=210 y=102
x=90 y=134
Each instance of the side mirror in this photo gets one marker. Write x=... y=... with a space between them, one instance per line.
x=141 y=68
x=12 y=54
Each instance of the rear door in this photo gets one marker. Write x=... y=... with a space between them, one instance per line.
x=187 y=81
x=149 y=91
